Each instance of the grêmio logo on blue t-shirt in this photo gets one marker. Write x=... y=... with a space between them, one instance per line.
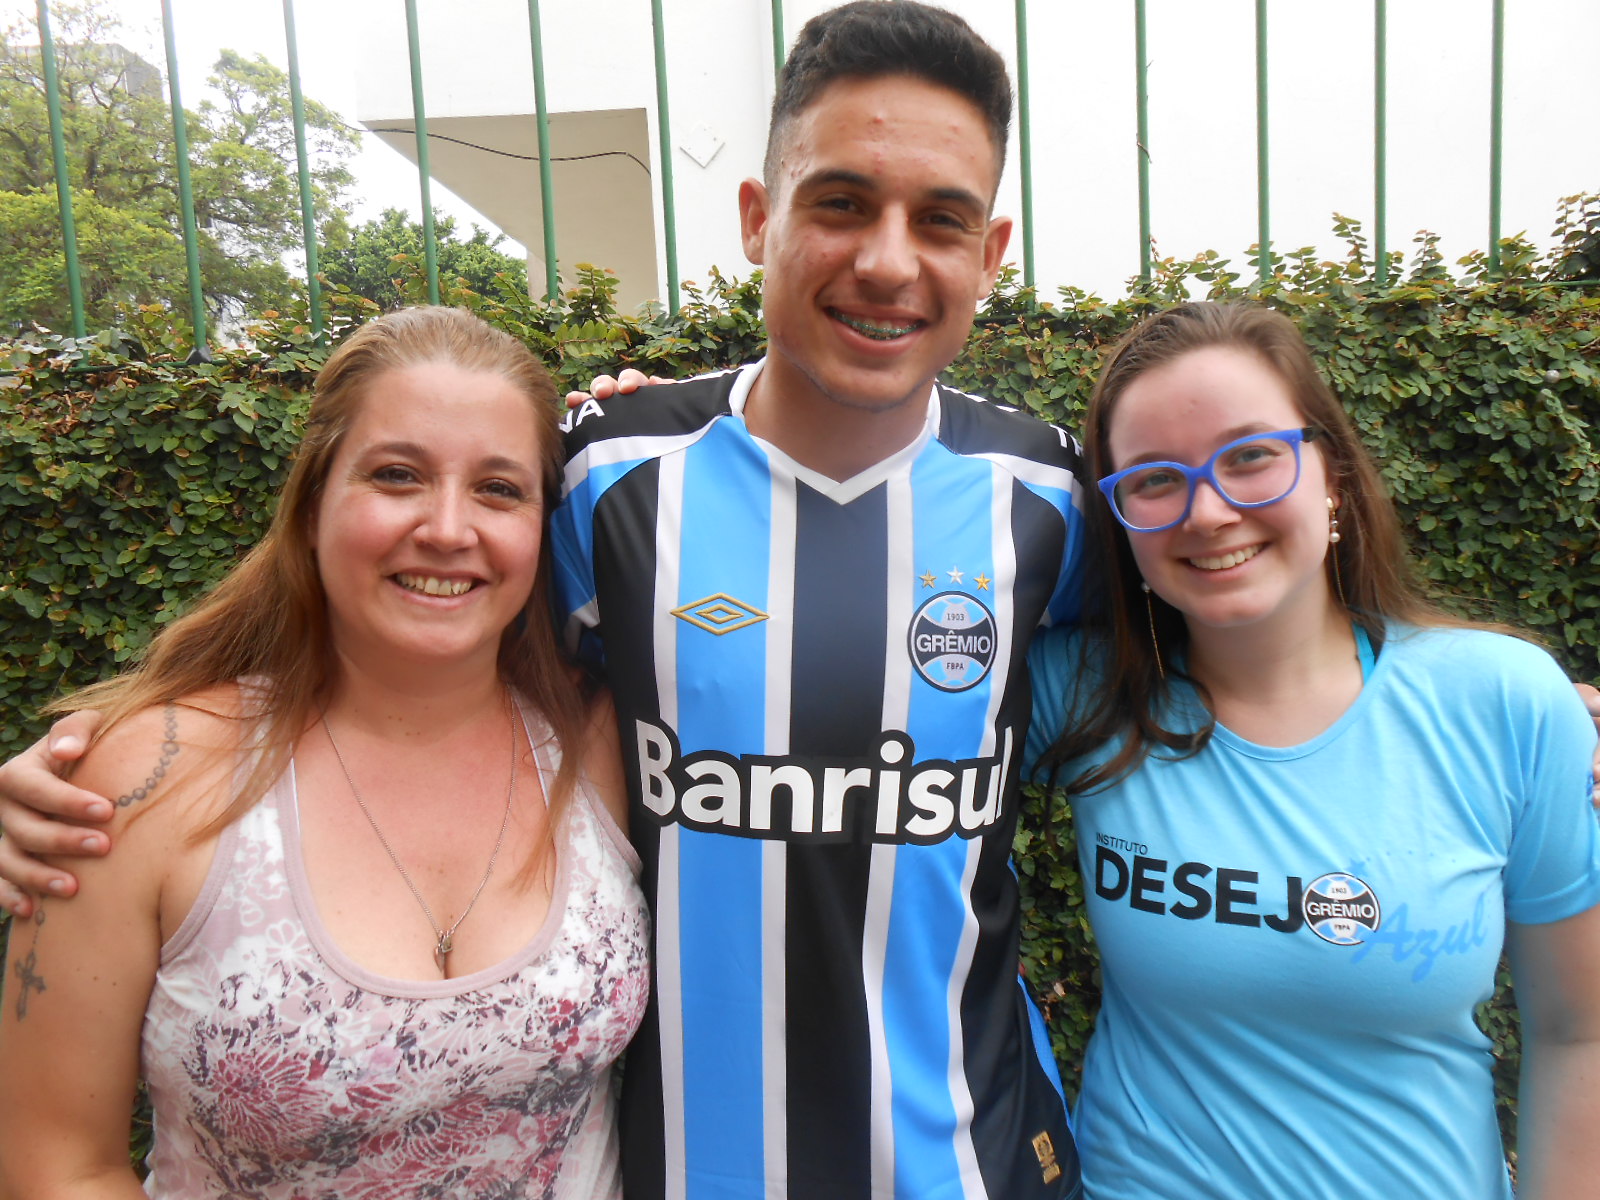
x=1339 y=907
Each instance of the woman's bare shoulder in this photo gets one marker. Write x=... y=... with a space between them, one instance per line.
x=184 y=749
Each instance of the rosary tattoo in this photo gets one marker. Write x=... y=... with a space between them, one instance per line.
x=28 y=978
x=169 y=750
x=29 y=981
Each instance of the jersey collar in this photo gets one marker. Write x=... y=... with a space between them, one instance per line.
x=840 y=491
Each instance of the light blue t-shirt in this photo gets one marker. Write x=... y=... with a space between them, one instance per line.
x=1294 y=939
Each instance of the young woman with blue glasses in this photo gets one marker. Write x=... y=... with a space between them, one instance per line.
x=1310 y=809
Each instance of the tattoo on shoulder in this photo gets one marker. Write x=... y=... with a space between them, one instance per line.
x=27 y=971
x=169 y=751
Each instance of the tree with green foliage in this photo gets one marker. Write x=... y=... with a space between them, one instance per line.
x=371 y=259
x=1577 y=234
x=122 y=165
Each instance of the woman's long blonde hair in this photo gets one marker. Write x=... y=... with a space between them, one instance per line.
x=268 y=616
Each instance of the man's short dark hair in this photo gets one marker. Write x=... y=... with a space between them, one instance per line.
x=868 y=39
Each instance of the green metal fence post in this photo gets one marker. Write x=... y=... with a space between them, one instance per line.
x=1380 y=138
x=419 y=123
x=1025 y=142
x=1263 y=232
x=664 y=132
x=191 y=238
x=1141 y=103
x=308 y=213
x=778 y=43
x=1496 y=114
x=58 y=148
x=552 y=275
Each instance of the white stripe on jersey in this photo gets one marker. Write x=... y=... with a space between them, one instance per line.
x=898 y=605
x=900 y=511
x=669 y=973
x=774 y=1018
x=874 y=950
x=966 y=1152
x=779 y=624
x=628 y=450
x=775 y=854
x=1036 y=473
x=669 y=522
x=1004 y=549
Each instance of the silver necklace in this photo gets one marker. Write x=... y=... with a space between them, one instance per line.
x=445 y=937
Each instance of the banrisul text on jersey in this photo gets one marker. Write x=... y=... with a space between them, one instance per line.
x=888 y=796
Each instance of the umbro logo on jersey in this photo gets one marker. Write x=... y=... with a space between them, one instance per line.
x=952 y=641
x=719 y=614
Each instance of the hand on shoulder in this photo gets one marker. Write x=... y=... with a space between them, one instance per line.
x=43 y=814
x=177 y=751
x=603 y=387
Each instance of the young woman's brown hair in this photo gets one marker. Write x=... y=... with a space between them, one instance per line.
x=1124 y=695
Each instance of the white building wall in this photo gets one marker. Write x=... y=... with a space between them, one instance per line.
x=601 y=85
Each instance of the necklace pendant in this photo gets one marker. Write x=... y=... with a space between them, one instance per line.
x=446 y=944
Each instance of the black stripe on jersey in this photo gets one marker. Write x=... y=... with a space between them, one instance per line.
x=624 y=575
x=970 y=425
x=1001 y=1064
x=840 y=565
x=642 y=1118
x=1039 y=535
x=650 y=412
x=994 y=1019
x=1013 y=1160
x=625 y=541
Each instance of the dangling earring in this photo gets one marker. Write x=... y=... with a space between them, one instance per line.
x=1333 y=549
x=1150 y=611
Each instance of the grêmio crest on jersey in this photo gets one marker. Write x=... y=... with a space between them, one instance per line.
x=952 y=638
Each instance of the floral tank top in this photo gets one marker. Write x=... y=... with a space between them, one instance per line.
x=279 y=1069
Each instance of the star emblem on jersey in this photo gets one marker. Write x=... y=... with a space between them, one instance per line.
x=719 y=614
x=928 y=578
x=952 y=641
x=1340 y=907
x=955 y=574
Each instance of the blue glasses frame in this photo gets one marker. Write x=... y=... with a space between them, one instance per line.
x=1208 y=472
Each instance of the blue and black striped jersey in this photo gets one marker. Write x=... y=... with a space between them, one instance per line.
x=823 y=696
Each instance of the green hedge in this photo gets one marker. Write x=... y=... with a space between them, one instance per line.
x=129 y=480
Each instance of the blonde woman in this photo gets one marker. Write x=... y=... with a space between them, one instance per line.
x=374 y=928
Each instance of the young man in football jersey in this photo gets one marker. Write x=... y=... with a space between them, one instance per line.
x=812 y=582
